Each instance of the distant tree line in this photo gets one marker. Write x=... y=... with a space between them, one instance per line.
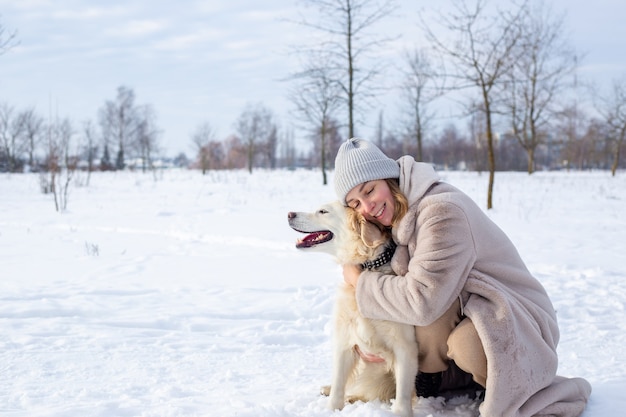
x=125 y=135
x=451 y=148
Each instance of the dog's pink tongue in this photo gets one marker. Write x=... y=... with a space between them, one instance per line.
x=368 y=357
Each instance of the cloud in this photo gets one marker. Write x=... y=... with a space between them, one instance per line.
x=87 y=13
x=260 y=15
x=25 y=5
x=136 y=28
x=189 y=40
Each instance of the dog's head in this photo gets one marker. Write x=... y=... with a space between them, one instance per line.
x=339 y=231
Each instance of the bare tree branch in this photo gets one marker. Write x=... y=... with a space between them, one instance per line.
x=539 y=75
x=419 y=88
x=482 y=53
x=316 y=97
x=612 y=107
x=346 y=42
x=8 y=40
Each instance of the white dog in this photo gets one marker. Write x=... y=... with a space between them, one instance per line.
x=372 y=358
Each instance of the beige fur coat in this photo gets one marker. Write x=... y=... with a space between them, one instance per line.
x=447 y=247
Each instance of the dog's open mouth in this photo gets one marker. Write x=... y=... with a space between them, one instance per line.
x=314 y=238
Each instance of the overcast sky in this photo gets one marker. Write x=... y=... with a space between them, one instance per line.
x=197 y=61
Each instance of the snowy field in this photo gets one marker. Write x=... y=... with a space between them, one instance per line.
x=185 y=296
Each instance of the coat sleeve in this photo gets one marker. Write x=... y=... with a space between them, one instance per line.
x=438 y=267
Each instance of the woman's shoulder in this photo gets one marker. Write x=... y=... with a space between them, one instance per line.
x=444 y=193
x=444 y=200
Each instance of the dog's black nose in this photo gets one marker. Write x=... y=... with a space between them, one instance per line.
x=291 y=215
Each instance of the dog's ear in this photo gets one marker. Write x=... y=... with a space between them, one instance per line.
x=371 y=234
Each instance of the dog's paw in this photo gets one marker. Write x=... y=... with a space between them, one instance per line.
x=336 y=403
x=404 y=410
x=325 y=390
x=355 y=399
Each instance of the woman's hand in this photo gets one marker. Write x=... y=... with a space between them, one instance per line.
x=351 y=274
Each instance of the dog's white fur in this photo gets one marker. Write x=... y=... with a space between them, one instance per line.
x=355 y=241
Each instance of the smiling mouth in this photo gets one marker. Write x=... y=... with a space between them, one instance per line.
x=381 y=211
x=314 y=238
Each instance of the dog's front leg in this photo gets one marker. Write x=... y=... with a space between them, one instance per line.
x=345 y=359
x=405 y=369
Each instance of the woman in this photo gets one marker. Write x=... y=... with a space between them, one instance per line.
x=460 y=279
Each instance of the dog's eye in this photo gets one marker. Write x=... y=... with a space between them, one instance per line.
x=322 y=211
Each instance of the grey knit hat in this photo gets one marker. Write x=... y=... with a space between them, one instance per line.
x=359 y=161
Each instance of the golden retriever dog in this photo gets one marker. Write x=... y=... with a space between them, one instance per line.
x=372 y=358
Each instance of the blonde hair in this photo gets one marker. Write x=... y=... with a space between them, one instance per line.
x=401 y=202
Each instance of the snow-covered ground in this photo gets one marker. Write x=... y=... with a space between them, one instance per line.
x=185 y=296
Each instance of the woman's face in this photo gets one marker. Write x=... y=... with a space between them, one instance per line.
x=373 y=200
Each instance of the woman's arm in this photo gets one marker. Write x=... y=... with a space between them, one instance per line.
x=438 y=268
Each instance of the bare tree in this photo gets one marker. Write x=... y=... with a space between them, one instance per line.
x=332 y=142
x=478 y=136
x=612 y=107
x=270 y=147
x=7 y=40
x=119 y=122
x=60 y=163
x=482 y=53
x=201 y=139
x=452 y=150
x=540 y=74
x=572 y=122
x=316 y=97
x=33 y=128
x=12 y=130
x=236 y=152
x=419 y=89
x=216 y=153
x=147 y=137
x=379 y=132
x=288 y=149
x=255 y=127
x=345 y=25
x=105 y=162
x=91 y=147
